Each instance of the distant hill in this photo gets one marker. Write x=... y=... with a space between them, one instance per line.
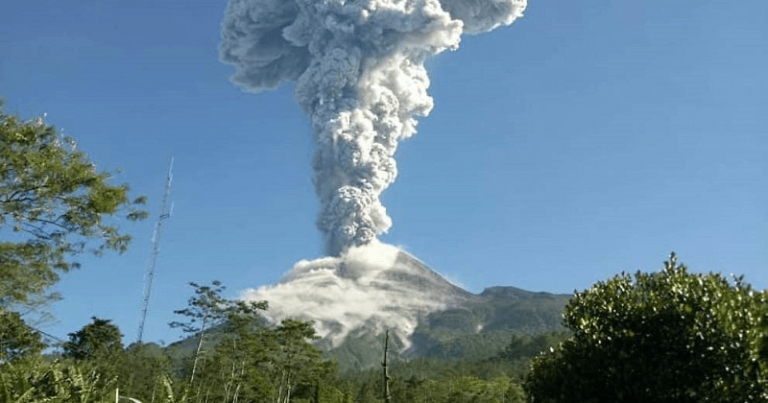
x=479 y=328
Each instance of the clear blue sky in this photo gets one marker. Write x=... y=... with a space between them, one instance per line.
x=588 y=138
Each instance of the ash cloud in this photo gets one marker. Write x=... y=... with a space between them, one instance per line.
x=359 y=68
x=363 y=288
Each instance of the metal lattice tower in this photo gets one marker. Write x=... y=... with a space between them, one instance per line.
x=165 y=213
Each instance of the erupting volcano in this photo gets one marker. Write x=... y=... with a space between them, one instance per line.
x=359 y=68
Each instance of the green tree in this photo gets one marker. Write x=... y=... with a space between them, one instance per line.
x=208 y=309
x=97 y=348
x=297 y=363
x=36 y=380
x=16 y=338
x=140 y=372
x=234 y=370
x=522 y=348
x=670 y=336
x=468 y=389
x=204 y=310
x=99 y=340
x=54 y=205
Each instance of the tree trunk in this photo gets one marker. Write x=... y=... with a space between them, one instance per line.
x=197 y=353
x=387 y=396
x=280 y=388
x=288 y=387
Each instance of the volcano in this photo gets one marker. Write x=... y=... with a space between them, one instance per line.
x=354 y=298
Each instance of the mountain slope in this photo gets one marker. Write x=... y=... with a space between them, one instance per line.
x=373 y=287
x=354 y=298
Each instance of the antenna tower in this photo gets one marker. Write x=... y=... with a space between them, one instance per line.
x=165 y=213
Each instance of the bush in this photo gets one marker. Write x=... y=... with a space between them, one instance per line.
x=671 y=336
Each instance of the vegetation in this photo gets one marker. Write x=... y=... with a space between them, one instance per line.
x=54 y=204
x=671 y=336
x=36 y=380
x=17 y=340
x=207 y=308
x=97 y=341
x=142 y=370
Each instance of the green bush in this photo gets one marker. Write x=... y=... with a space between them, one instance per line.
x=34 y=380
x=671 y=336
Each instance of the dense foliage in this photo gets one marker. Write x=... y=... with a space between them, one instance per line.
x=670 y=336
x=207 y=309
x=36 y=380
x=54 y=204
x=96 y=341
x=17 y=340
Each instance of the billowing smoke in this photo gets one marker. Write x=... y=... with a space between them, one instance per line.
x=361 y=79
x=371 y=287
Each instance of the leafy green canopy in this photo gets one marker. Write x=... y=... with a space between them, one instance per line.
x=98 y=340
x=671 y=336
x=54 y=204
x=38 y=380
x=16 y=338
x=98 y=348
x=245 y=361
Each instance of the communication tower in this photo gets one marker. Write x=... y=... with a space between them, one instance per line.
x=165 y=213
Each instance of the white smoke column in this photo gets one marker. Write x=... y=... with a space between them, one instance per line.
x=361 y=79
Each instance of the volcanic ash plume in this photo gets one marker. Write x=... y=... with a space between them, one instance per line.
x=361 y=79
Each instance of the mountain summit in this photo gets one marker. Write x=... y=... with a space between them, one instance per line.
x=353 y=298
x=374 y=287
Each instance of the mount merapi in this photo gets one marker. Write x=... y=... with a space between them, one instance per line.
x=354 y=298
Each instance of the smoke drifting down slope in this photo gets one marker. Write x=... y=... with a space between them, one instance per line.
x=375 y=286
x=361 y=79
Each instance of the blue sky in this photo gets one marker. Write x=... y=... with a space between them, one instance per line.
x=586 y=139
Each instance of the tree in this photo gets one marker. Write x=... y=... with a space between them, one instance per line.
x=99 y=340
x=207 y=309
x=98 y=349
x=670 y=336
x=234 y=371
x=16 y=338
x=522 y=348
x=385 y=371
x=252 y=362
x=143 y=365
x=296 y=362
x=37 y=380
x=54 y=205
